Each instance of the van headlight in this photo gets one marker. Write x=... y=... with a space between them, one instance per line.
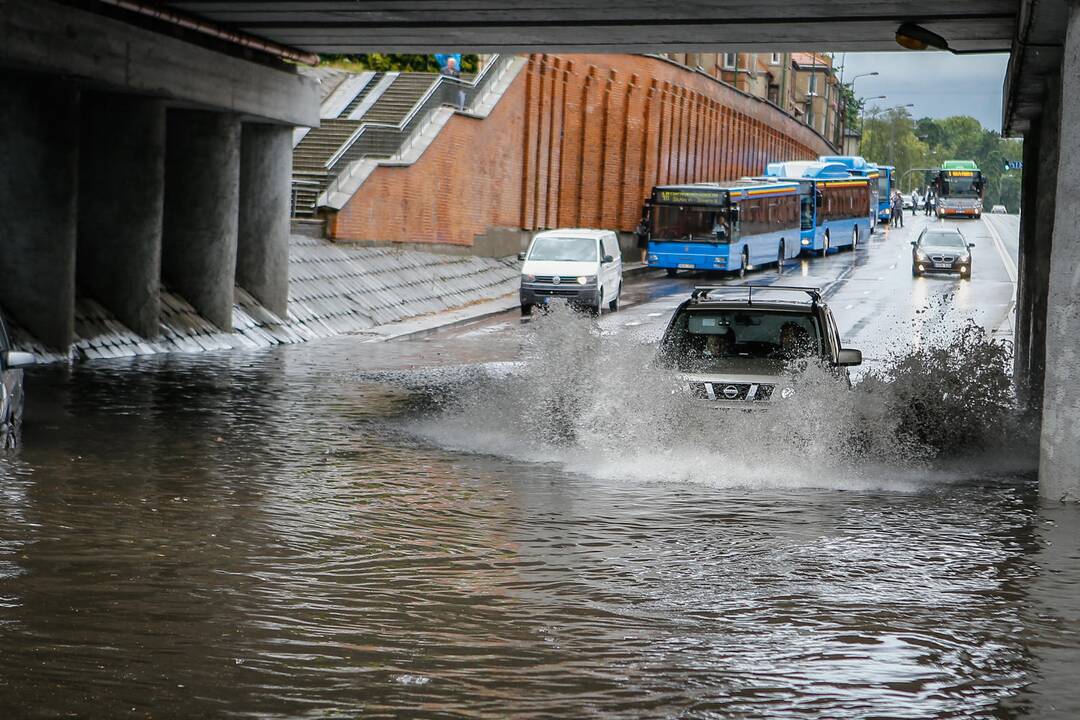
x=530 y=278
x=585 y=279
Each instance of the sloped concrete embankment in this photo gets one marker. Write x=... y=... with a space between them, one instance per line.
x=333 y=290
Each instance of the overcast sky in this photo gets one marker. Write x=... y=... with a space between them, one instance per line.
x=938 y=83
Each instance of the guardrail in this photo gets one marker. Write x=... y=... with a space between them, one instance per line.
x=385 y=139
x=298 y=186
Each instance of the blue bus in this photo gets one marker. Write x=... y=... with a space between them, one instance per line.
x=732 y=226
x=858 y=167
x=833 y=204
x=885 y=188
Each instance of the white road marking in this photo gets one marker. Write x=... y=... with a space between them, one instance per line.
x=1006 y=258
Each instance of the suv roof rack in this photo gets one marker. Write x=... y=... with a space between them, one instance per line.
x=702 y=291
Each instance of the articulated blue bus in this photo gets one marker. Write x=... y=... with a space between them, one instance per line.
x=724 y=226
x=833 y=204
x=858 y=167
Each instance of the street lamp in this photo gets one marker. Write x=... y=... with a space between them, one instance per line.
x=851 y=83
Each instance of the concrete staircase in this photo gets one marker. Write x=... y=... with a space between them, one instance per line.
x=318 y=146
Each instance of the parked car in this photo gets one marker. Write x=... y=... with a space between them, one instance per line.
x=999 y=209
x=581 y=266
x=941 y=249
x=733 y=344
x=11 y=388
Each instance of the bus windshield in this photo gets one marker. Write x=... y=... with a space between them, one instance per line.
x=959 y=186
x=883 y=185
x=689 y=222
x=719 y=339
x=572 y=249
x=806 y=212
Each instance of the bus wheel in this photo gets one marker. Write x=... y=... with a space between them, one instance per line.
x=671 y=272
x=825 y=246
x=854 y=238
x=745 y=262
x=780 y=258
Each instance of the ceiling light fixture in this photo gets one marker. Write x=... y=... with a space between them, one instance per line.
x=916 y=37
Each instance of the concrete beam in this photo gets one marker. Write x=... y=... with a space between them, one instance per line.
x=121 y=204
x=1027 y=279
x=1059 y=458
x=262 y=253
x=47 y=37
x=202 y=193
x=39 y=149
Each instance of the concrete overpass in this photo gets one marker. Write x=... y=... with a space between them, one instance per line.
x=166 y=58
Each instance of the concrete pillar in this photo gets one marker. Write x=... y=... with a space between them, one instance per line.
x=1042 y=241
x=202 y=192
x=262 y=251
x=121 y=196
x=1026 y=264
x=39 y=150
x=1059 y=458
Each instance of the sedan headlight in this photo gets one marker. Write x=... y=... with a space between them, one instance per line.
x=585 y=279
x=921 y=255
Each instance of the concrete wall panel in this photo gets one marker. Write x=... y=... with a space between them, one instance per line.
x=121 y=203
x=38 y=191
x=262 y=257
x=202 y=193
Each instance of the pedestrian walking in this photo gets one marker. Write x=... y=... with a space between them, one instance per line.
x=642 y=232
x=897 y=209
x=929 y=204
x=914 y=202
x=450 y=69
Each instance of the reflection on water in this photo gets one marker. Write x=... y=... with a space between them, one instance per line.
x=266 y=535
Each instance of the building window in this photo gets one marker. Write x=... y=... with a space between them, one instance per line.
x=813 y=82
x=774 y=94
x=731 y=61
x=774 y=58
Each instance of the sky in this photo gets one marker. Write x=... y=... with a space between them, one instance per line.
x=939 y=84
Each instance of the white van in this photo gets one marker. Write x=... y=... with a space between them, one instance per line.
x=583 y=267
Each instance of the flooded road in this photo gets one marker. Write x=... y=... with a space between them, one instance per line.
x=348 y=529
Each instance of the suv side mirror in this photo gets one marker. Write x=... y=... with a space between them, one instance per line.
x=521 y=255
x=847 y=357
x=13 y=359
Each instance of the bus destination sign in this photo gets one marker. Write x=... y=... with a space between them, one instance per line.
x=691 y=197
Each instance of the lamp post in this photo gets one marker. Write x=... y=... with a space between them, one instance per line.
x=862 y=114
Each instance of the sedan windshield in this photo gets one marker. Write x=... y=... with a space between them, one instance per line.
x=940 y=239
x=713 y=339
x=571 y=249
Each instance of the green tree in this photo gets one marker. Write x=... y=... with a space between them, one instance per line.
x=889 y=139
x=380 y=62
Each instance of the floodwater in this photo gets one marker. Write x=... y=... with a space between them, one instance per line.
x=399 y=530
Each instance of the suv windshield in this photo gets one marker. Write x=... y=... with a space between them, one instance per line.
x=940 y=239
x=572 y=249
x=706 y=339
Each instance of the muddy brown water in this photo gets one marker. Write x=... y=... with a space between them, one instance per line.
x=255 y=535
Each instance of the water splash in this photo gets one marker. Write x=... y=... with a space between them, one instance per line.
x=597 y=403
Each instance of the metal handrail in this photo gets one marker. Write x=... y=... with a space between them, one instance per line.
x=421 y=105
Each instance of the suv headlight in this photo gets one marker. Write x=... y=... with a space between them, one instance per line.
x=585 y=279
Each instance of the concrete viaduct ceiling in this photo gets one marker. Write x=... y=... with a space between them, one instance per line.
x=343 y=26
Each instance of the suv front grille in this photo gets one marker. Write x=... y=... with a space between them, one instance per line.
x=735 y=392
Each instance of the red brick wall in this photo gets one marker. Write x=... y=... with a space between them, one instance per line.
x=577 y=140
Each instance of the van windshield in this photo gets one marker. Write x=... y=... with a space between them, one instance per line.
x=570 y=249
x=706 y=340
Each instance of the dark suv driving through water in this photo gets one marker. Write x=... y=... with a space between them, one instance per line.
x=734 y=344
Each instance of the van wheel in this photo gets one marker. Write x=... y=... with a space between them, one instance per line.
x=526 y=310
x=614 y=304
x=781 y=256
x=671 y=272
x=745 y=262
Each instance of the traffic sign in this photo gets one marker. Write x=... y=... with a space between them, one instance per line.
x=1014 y=165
